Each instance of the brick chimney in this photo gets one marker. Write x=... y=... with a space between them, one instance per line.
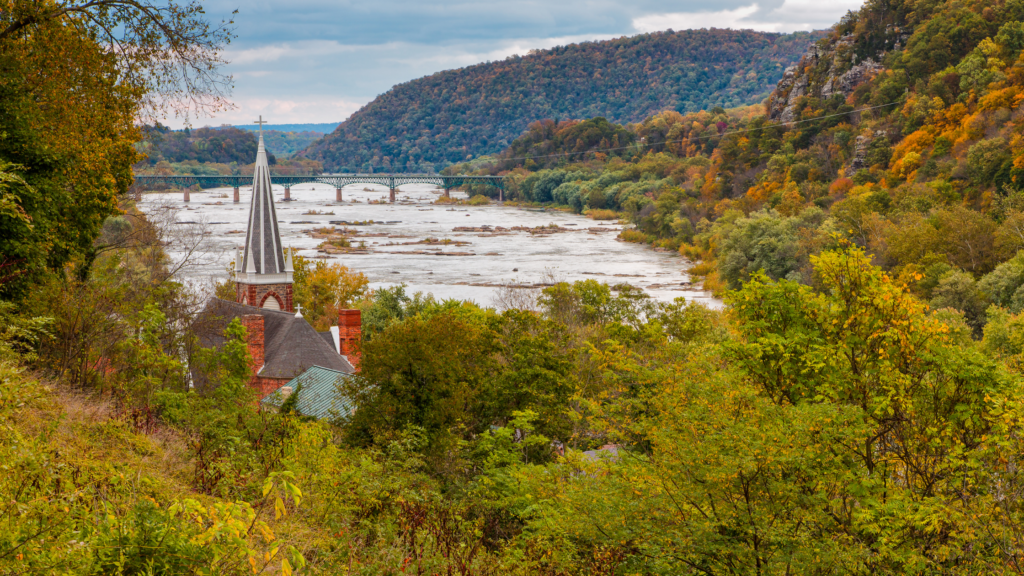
x=350 y=335
x=254 y=329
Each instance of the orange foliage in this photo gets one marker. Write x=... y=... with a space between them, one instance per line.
x=840 y=187
x=1008 y=97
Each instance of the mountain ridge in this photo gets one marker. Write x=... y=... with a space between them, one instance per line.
x=444 y=118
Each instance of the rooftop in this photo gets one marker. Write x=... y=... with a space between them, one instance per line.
x=290 y=344
x=318 y=394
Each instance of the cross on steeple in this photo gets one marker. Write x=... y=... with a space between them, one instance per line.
x=261 y=122
x=298 y=307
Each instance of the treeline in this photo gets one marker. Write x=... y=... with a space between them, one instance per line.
x=456 y=115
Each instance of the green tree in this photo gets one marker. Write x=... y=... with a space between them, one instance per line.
x=427 y=373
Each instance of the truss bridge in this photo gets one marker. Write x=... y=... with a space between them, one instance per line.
x=339 y=181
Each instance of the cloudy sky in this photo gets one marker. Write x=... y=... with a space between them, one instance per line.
x=299 y=61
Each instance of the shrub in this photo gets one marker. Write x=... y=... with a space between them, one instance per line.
x=602 y=214
x=478 y=200
x=634 y=236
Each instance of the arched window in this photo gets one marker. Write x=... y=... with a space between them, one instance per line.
x=270 y=302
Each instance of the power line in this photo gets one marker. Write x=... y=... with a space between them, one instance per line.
x=692 y=138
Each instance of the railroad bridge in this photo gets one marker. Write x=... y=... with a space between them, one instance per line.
x=339 y=181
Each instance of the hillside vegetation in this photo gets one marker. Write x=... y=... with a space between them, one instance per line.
x=455 y=115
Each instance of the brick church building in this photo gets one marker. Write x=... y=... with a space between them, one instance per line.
x=283 y=345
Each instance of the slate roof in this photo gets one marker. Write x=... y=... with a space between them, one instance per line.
x=262 y=253
x=290 y=345
x=319 y=397
x=329 y=338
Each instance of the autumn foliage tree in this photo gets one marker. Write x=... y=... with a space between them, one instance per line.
x=74 y=79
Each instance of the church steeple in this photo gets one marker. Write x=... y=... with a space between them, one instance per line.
x=263 y=275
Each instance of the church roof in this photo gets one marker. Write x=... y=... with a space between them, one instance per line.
x=318 y=396
x=290 y=345
x=262 y=253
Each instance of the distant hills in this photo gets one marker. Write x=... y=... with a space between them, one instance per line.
x=225 y=144
x=449 y=117
x=323 y=128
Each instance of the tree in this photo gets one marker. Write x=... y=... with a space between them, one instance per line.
x=427 y=373
x=764 y=241
x=323 y=289
x=75 y=76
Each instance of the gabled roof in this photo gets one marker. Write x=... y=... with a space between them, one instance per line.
x=319 y=396
x=290 y=345
x=262 y=253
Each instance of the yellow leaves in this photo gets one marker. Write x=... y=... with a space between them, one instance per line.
x=906 y=167
x=266 y=532
x=279 y=509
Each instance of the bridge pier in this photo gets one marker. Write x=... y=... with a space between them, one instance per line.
x=287 y=193
x=392 y=195
x=236 y=194
x=187 y=196
x=501 y=195
x=447 y=193
x=337 y=194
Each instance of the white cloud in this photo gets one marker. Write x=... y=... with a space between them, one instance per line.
x=290 y=50
x=443 y=58
x=286 y=111
x=793 y=15
x=692 y=20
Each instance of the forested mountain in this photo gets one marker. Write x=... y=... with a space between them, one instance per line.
x=455 y=115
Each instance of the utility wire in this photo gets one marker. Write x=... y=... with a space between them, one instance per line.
x=692 y=138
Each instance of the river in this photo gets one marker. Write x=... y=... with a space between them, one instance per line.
x=472 y=266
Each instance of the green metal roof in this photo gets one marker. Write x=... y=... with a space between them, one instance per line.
x=319 y=397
